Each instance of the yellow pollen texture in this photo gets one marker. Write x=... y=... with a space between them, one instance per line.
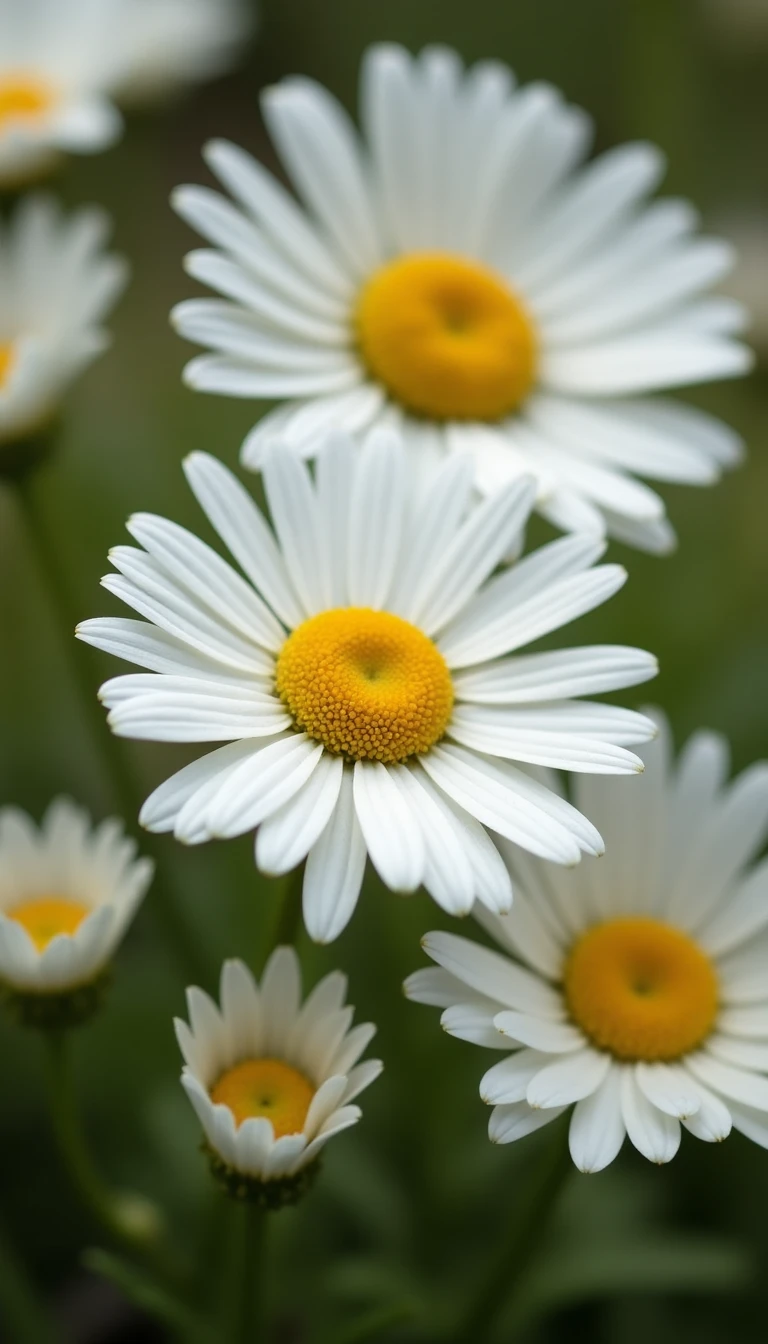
x=7 y=360
x=22 y=98
x=368 y=685
x=266 y=1087
x=447 y=337
x=641 y=989
x=46 y=916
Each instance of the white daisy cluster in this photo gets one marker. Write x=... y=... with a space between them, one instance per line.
x=461 y=321
x=633 y=990
x=459 y=272
x=63 y=63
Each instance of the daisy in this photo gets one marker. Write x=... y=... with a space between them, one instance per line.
x=461 y=274
x=361 y=678
x=53 y=83
x=271 y=1079
x=63 y=63
x=68 y=892
x=636 y=989
x=57 y=284
x=167 y=44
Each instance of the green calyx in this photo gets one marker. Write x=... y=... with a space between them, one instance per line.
x=272 y=1195
x=56 y=1010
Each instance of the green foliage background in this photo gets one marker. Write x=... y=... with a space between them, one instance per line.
x=410 y=1204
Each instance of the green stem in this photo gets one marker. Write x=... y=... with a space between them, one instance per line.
x=378 y=1320
x=165 y=902
x=288 y=919
x=506 y=1273
x=130 y=1219
x=246 y=1302
x=20 y=1307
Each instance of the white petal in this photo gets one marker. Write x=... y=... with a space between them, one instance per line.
x=493 y=975
x=597 y=1127
x=334 y=871
x=287 y=835
x=567 y=1080
x=540 y=1033
x=391 y=833
x=263 y=782
x=508 y=1123
x=654 y=1134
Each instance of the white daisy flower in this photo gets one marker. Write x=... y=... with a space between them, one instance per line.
x=167 y=44
x=68 y=892
x=54 y=59
x=57 y=285
x=461 y=275
x=361 y=678
x=63 y=63
x=634 y=989
x=272 y=1079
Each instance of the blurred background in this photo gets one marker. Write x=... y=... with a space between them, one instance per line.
x=412 y=1201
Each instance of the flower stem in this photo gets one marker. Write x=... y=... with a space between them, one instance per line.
x=131 y=1220
x=20 y=1307
x=246 y=1301
x=165 y=902
x=505 y=1274
x=287 y=923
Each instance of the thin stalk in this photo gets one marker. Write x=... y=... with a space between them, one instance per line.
x=287 y=923
x=246 y=1294
x=377 y=1321
x=20 y=1307
x=130 y=1220
x=506 y=1273
x=168 y=906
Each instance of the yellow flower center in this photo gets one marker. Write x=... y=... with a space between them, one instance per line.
x=368 y=685
x=46 y=916
x=266 y=1087
x=7 y=360
x=22 y=98
x=446 y=337
x=640 y=989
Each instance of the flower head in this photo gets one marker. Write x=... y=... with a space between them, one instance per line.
x=67 y=895
x=64 y=62
x=634 y=989
x=362 y=678
x=272 y=1079
x=462 y=274
x=58 y=285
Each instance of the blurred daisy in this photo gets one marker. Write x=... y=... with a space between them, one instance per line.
x=62 y=62
x=167 y=44
x=636 y=989
x=271 y=1079
x=462 y=276
x=68 y=892
x=361 y=678
x=58 y=284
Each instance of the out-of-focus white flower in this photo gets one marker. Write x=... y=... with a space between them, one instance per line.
x=57 y=284
x=361 y=680
x=462 y=273
x=271 y=1079
x=68 y=892
x=634 y=989
x=64 y=63
x=168 y=44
